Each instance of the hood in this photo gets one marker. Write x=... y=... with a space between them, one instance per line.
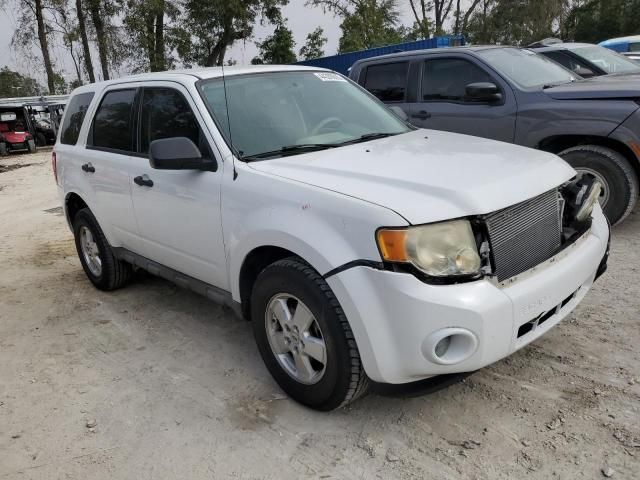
x=603 y=87
x=428 y=175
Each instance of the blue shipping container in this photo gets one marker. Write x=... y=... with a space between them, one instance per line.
x=342 y=63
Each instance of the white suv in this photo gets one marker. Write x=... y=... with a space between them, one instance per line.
x=360 y=248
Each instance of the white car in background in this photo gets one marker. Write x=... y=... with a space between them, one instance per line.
x=360 y=248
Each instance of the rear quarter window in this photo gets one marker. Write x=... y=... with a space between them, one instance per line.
x=76 y=111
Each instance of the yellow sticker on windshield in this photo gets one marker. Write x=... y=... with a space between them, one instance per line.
x=329 y=77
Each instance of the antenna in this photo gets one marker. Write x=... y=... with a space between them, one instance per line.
x=226 y=103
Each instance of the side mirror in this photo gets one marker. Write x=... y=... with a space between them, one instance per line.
x=585 y=72
x=399 y=112
x=178 y=153
x=483 y=92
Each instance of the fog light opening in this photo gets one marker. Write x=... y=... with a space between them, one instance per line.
x=442 y=346
x=450 y=346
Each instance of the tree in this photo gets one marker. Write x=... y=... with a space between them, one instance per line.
x=82 y=32
x=14 y=84
x=314 y=46
x=32 y=13
x=422 y=25
x=111 y=45
x=365 y=23
x=516 y=22
x=276 y=48
x=596 y=20
x=462 y=19
x=145 y=22
x=442 y=9
x=209 y=27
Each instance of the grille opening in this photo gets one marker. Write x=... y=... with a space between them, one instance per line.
x=547 y=316
x=524 y=235
x=568 y=299
x=526 y=328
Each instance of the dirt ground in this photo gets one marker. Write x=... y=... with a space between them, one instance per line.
x=176 y=388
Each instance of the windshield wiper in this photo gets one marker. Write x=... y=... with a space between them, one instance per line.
x=368 y=136
x=290 y=149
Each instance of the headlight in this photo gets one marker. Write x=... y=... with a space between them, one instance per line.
x=439 y=250
x=590 y=197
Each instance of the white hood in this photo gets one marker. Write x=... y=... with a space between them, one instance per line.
x=428 y=175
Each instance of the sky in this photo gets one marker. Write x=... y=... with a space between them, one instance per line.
x=301 y=20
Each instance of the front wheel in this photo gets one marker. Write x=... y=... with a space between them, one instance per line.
x=31 y=146
x=304 y=337
x=3 y=150
x=613 y=171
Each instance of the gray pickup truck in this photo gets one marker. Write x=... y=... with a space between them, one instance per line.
x=518 y=96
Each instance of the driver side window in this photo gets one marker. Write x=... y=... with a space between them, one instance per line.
x=446 y=79
x=166 y=114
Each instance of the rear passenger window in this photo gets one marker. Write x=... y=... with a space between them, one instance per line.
x=166 y=114
x=447 y=79
x=569 y=62
x=388 y=82
x=113 y=122
x=74 y=117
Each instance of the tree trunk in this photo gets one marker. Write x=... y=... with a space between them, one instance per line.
x=149 y=40
x=457 y=27
x=44 y=46
x=159 y=40
x=86 y=52
x=98 y=24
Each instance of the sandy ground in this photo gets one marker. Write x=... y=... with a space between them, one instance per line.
x=176 y=387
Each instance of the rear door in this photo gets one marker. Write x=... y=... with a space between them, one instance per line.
x=440 y=101
x=179 y=213
x=108 y=164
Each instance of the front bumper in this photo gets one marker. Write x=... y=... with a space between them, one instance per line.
x=395 y=316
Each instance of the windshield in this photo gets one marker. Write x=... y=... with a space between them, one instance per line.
x=294 y=111
x=526 y=68
x=607 y=60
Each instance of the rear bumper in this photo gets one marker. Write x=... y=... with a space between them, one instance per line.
x=396 y=317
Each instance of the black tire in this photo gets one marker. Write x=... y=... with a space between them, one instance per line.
x=615 y=170
x=114 y=273
x=344 y=379
x=41 y=140
x=31 y=146
x=3 y=150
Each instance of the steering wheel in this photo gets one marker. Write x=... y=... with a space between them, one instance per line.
x=324 y=123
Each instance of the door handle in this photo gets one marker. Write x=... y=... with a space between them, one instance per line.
x=143 y=181
x=87 y=167
x=422 y=115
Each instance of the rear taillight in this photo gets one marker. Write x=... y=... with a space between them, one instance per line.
x=54 y=166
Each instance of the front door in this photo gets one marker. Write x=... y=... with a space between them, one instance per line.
x=178 y=213
x=441 y=102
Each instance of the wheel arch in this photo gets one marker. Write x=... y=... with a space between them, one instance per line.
x=73 y=203
x=557 y=144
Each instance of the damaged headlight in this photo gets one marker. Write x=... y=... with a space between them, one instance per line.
x=446 y=249
x=581 y=197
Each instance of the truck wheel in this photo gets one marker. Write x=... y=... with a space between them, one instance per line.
x=41 y=140
x=3 y=150
x=31 y=146
x=304 y=337
x=102 y=267
x=613 y=171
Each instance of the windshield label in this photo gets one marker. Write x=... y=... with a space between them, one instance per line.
x=329 y=77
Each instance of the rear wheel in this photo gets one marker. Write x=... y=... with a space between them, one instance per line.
x=100 y=264
x=304 y=337
x=613 y=171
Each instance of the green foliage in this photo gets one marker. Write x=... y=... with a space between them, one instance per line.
x=314 y=46
x=365 y=23
x=597 y=20
x=209 y=27
x=14 y=84
x=277 y=48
